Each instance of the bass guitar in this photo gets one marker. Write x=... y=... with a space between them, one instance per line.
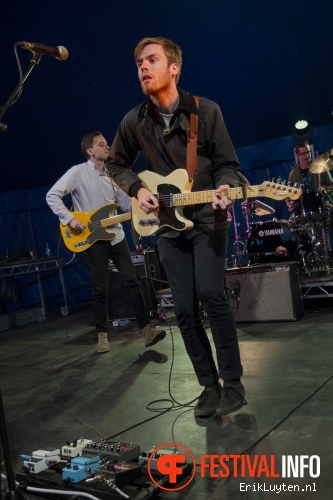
x=97 y=227
x=173 y=192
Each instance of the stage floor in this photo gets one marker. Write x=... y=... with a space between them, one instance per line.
x=57 y=389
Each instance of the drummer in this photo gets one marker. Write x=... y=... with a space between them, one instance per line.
x=310 y=182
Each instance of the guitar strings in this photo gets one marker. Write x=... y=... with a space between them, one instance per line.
x=165 y=198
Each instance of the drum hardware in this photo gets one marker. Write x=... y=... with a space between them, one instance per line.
x=240 y=246
x=239 y=249
x=256 y=257
x=313 y=249
x=323 y=163
x=258 y=208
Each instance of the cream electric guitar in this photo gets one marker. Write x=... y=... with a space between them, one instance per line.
x=98 y=227
x=173 y=192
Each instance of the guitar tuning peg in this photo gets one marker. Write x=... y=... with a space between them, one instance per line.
x=274 y=180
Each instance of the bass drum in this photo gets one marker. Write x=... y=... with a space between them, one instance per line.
x=272 y=242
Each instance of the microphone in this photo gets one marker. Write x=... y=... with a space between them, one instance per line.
x=60 y=53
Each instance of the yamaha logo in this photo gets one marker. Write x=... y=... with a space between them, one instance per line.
x=271 y=232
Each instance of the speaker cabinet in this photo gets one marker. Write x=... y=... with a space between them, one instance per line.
x=119 y=304
x=155 y=271
x=270 y=292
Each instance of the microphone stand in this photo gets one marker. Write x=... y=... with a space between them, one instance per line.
x=34 y=61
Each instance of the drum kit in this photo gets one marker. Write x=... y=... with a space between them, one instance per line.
x=305 y=237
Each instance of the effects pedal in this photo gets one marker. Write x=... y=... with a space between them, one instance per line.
x=41 y=460
x=75 y=448
x=119 y=474
x=145 y=456
x=112 y=451
x=80 y=468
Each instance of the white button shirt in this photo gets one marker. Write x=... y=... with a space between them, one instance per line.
x=90 y=190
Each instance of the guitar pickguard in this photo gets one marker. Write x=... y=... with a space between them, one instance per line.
x=166 y=212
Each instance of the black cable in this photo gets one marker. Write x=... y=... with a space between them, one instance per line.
x=174 y=404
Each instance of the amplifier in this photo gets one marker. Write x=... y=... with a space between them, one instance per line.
x=269 y=292
x=119 y=304
x=147 y=264
x=151 y=277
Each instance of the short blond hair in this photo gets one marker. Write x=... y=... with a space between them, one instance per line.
x=171 y=50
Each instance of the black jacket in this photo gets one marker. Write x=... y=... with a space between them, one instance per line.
x=143 y=130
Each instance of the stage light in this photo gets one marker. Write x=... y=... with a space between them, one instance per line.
x=302 y=131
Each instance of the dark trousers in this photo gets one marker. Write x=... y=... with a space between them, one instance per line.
x=195 y=270
x=97 y=257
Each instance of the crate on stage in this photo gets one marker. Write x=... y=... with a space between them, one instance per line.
x=26 y=316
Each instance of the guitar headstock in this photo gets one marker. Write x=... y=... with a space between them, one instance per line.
x=278 y=191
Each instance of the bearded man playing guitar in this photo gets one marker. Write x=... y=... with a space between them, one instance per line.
x=91 y=189
x=194 y=258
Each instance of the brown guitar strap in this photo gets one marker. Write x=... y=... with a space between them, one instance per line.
x=192 y=140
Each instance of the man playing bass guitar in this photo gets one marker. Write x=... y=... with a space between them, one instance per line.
x=90 y=189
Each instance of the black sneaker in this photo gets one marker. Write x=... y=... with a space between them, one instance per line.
x=232 y=399
x=208 y=401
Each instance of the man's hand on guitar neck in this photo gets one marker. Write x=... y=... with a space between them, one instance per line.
x=76 y=224
x=224 y=202
x=147 y=201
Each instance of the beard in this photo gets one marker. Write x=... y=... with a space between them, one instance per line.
x=156 y=86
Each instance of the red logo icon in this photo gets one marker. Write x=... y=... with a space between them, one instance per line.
x=170 y=463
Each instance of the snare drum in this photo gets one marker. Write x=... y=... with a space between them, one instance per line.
x=272 y=242
x=310 y=208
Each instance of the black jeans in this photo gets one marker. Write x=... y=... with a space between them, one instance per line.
x=195 y=271
x=97 y=257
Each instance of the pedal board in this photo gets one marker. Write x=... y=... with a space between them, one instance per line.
x=99 y=467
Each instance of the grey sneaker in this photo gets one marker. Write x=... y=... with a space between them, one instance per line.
x=103 y=343
x=151 y=335
x=208 y=401
x=232 y=399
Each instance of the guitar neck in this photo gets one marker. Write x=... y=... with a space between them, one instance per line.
x=192 y=198
x=111 y=221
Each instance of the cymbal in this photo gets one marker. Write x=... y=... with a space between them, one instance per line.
x=323 y=163
x=259 y=208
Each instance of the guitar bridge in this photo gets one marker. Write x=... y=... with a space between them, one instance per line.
x=149 y=222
